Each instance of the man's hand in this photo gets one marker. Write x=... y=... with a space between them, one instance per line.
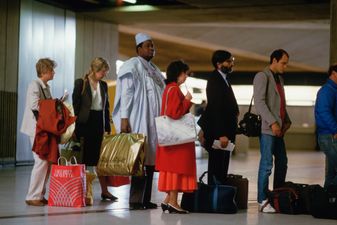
x=276 y=129
x=125 y=126
x=201 y=138
x=224 y=141
x=285 y=127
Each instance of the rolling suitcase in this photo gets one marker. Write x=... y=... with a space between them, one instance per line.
x=242 y=189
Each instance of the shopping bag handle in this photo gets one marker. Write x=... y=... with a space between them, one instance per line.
x=70 y=160
x=60 y=158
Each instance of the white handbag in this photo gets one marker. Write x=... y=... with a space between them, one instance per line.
x=175 y=132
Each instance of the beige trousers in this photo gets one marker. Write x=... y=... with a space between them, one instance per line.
x=39 y=177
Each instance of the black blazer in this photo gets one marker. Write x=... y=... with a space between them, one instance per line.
x=220 y=117
x=82 y=102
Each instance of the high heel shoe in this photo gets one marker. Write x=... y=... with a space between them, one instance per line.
x=111 y=198
x=173 y=209
x=164 y=206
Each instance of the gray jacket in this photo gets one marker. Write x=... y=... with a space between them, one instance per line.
x=267 y=100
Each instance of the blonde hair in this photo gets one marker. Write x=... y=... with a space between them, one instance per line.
x=44 y=65
x=97 y=64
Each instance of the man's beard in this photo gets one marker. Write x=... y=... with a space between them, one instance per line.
x=226 y=70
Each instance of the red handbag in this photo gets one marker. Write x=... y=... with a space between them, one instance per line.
x=116 y=181
x=67 y=185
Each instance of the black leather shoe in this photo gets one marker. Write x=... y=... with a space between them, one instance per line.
x=173 y=209
x=111 y=198
x=164 y=206
x=136 y=206
x=150 y=205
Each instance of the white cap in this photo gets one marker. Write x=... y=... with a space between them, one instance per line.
x=141 y=37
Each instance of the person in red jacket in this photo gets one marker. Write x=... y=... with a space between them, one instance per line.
x=176 y=163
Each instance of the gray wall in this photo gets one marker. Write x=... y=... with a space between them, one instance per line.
x=45 y=31
x=9 y=45
x=95 y=39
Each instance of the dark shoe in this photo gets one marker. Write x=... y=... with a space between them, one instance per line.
x=173 y=209
x=150 y=205
x=44 y=201
x=164 y=206
x=136 y=206
x=35 y=202
x=108 y=197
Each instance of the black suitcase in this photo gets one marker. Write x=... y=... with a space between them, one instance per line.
x=242 y=189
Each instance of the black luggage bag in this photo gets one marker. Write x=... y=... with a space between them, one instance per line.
x=241 y=185
x=210 y=198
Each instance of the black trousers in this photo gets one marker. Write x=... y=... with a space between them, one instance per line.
x=141 y=187
x=218 y=162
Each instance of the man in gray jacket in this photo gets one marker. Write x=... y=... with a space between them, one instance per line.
x=269 y=99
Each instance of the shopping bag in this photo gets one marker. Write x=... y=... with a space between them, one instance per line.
x=116 y=181
x=72 y=149
x=215 y=198
x=90 y=177
x=122 y=154
x=67 y=184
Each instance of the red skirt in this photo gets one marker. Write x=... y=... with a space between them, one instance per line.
x=169 y=181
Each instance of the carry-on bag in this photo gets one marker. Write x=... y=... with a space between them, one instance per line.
x=210 y=198
x=241 y=185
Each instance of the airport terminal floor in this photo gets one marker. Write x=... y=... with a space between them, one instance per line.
x=303 y=167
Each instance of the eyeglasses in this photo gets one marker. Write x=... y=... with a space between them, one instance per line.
x=231 y=60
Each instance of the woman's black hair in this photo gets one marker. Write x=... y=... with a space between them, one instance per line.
x=332 y=68
x=174 y=69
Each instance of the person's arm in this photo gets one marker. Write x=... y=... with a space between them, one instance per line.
x=260 y=88
x=107 y=126
x=77 y=95
x=127 y=92
x=324 y=110
x=33 y=92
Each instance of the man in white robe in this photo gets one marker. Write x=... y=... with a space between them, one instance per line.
x=139 y=90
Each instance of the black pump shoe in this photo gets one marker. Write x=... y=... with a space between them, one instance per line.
x=173 y=209
x=164 y=206
x=111 y=198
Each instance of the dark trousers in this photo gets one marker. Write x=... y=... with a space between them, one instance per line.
x=141 y=187
x=218 y=162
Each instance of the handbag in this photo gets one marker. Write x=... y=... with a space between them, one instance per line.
x=67 y=184
x=216 y=198
x=175 y=132
x=250 y=125
x=122 y=154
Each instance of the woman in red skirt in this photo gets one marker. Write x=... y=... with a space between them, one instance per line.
x=176 y=163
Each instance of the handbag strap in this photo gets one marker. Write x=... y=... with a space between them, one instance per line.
x=251 y=102
x=167 y=99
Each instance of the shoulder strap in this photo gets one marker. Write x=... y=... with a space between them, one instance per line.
x=44 y=95
x=167 y=99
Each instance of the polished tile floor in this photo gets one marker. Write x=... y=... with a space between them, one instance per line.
x=304 y=167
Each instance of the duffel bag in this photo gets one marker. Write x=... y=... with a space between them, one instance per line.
x=216 y=198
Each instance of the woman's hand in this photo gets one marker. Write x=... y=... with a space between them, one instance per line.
x=188 y=95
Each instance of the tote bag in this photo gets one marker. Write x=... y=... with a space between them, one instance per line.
x=67 y=186
x=175 y=132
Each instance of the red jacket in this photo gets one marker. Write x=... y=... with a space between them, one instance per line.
x=54 y=119
x=176 y=158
